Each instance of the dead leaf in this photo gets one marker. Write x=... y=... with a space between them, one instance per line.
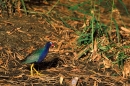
x=125 y=29
x=107 y=63
x=1 y=61
x=95 y=55
x=126 y=69
x=74 y=81
x=61 y=79
x=1 y=48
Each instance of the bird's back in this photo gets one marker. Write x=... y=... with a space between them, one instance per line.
x=38 y=55
x=33 y=57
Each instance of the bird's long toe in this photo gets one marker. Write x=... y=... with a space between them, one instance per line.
x=32 y=68
x=37 y=71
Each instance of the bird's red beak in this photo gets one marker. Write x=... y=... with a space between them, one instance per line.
x=52 y=45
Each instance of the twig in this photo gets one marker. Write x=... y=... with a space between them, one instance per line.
x=52 y=7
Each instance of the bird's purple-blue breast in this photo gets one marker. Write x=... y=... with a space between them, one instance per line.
x=44 y=51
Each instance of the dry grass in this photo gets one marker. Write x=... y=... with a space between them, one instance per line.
x=19 y=36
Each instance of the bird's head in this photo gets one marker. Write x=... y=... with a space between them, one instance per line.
x=50 y=44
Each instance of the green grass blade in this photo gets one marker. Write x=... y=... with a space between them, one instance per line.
x=24 y=7
x=124 y=6
x=117 y=30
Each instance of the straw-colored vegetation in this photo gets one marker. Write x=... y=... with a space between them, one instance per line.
x=91 y=38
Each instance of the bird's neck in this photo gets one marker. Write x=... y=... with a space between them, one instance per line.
x=47 y=47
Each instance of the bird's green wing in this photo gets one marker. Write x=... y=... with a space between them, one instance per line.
x=33 y=57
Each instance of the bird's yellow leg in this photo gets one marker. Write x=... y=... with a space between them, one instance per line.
x=32 y=66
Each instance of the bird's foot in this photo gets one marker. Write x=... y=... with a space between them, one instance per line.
x=37 y=72
x=32 y=68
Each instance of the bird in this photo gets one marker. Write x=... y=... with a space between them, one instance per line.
x=37 y=57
